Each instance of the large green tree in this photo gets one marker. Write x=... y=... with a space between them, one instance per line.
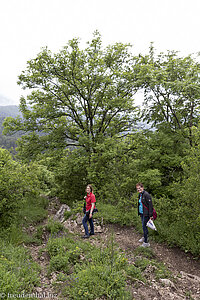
x=78 y=97
x=171 y=87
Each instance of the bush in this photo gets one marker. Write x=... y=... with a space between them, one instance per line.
x=20 y=189
x=117 y=214
x=60 y=263
x=103 y=276
x=95 y=281
x=54 y=226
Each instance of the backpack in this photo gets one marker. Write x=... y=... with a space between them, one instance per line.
x=154 y=212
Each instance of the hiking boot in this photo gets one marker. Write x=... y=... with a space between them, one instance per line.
x=141 y=240
x=145 y=245
x=92 y=233
x=85 y=236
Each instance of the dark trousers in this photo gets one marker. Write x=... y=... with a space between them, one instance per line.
x=144 y=220
x=84 y=221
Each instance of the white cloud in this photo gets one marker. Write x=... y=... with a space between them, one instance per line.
x=28 y=25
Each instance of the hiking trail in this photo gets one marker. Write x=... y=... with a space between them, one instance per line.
x=185 y=269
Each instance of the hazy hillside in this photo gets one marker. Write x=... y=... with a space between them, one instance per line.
x=8 y=111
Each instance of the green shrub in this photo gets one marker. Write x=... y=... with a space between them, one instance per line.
x=116 y=215
x=67 y=214
x=104 y=268
x=60 y=262
x=134 y=273
x=142 y=263
x=96 y=281
x=159 y=269
x=54 y=226
x=144 y=252
x=57 y=246
x=20 y=190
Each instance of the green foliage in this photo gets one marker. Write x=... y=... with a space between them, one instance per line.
x=134 y=273
x=177 y=212
x=144 y=259
x=79 y=97
x=58 y=245
x=71 y=176
x=159 y=157
x=9 y=141
x=59 y=263
x=67 y=214
x=144 y=252
x=103 y=265
x=13 y=184
x=171 y=90
x=33 y=210
x=112 y=169
x=85 y=271
x=111 y=284
x=21 y=202
x=83 y=99
x=18 y=272
x=116 y=214
x=54 y=226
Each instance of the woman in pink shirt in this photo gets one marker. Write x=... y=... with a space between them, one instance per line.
x=90 y=206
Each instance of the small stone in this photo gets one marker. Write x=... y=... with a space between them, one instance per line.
x=167 y=282
x=98 y=229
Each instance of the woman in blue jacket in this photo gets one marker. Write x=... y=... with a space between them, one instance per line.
x=145 y=211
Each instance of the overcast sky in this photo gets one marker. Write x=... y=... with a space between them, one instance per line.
x=28 y=25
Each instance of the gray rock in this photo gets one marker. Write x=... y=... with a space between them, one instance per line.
x=60 y=213
x=167 y=282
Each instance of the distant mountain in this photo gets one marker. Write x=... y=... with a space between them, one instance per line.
x=7 y=141
x=9 y=111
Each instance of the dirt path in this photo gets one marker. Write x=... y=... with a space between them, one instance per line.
x=39 y=255
x=185 y=270
x=185 y=281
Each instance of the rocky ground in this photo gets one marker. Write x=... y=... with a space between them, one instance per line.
x=185 y=270
x=183 y=284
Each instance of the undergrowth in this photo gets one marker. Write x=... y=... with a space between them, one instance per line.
x=85 y=271
x=19 y=274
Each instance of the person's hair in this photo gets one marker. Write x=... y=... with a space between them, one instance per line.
x=140 y=184
x=91 y=188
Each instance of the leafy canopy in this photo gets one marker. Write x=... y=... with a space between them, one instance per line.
x=171 y=90
x=79 y=97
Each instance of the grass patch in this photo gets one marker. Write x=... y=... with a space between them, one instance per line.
x=158 y=270
x=33 y=211
x=134 y=273
x=18 y=272
x=144 y=252
x=54 y=227
x=78 y=262
x=106 y=268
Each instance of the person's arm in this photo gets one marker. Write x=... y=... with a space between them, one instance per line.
x=91 y=210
